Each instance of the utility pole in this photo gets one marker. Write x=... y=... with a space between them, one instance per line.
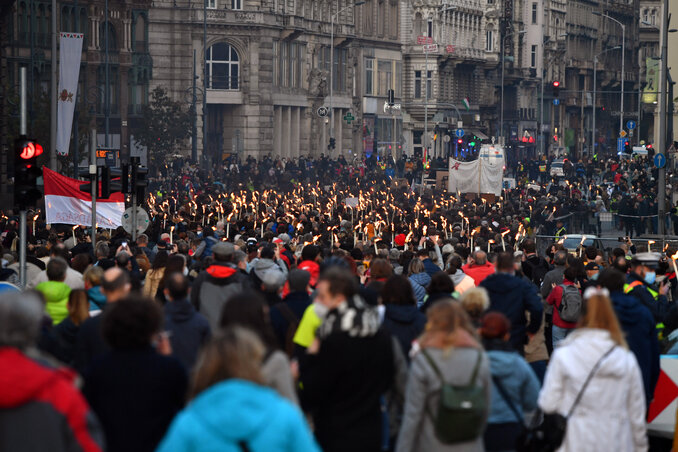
x=107 y=91
x=204 y=81
x=194 y=134
x=661 y=145
x=95 y=182
x=53 y=92
x=76 y=137
x=22 y=213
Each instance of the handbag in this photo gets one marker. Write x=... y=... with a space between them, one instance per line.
x=547 y=430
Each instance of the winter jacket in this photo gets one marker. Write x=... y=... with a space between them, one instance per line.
x=261 y=266
x=423 y=391
x=659 y=307
x=405 y=323
x=73 y=279
x=513 y=296
x=478 y=272
x=135 y=394
x=419 y=282
x=97 y=300
x=60 y=341
x=518 y=381
x=236 y=415
x=277 y=375
x=56 y=297
x=641 y=335
x=555 y=299
x=462 y=281
x=554 y=276
x=611 y=413
x=152 y=282
x=430 y=267
x=313 y=268
x=212 y=289
x=297 y=302
x=41 y=409
x=190 y=330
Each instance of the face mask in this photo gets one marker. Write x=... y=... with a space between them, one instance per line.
x=650 y=277
x=320 y=310
x=185 y=271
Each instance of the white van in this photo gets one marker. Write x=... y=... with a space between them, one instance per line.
x=493 y=153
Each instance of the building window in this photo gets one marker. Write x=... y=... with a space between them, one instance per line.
x=534 y=13
x=211 y=4
x=276 y=62
x=533 y=56
x=385 y=76
x=489 y=37
x=429 y=28
x=418 y=83
x=140 y=34
x=369 y=76
x=223 y=67
x=645 y=16
x=236 y=4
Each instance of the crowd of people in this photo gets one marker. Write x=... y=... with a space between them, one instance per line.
x=353 y=315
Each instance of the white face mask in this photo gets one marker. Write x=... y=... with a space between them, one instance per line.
x=185 y=271
x=320 y=310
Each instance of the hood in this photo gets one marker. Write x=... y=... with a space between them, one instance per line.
x=244 y=406
x=472 y=266
x=627 y=307
x=423 y=279
x=261 y=266
x=220 y=271
x=503 y=362
x=458 y=277
x=53 y=290
x=313 y=268
x=401 y=314
x=179 y=310
x=501 y=282
x=96 y=298
x=26 y=377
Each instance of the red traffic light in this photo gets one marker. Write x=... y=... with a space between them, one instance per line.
x=556 y=84
x=30 y=150
x=460 y=141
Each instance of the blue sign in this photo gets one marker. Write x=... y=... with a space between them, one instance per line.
x=630 y=124
x=620 y=144
x=556 y=101
x=459 y=133
x=659 y=160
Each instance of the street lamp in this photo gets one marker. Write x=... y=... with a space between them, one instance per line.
x=501 y=113
x=595 y=74
x=332 y=61
x=623 y=46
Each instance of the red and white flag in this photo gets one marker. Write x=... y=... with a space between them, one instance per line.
x=65 y=203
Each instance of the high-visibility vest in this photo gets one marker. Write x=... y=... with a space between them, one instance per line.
x=560 y=232
x=628 y=288
x=542 y=168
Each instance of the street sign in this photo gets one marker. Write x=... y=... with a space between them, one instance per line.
x=322 y=112
x=556 y=101
x=449 y=48
x=446 y=138
x=622 y=133
x=431 y=48
x=349 y=118
x=143 y=222
x=620 y=144
x=424 y=40
x=659 y=160
x=631 y=133
x=459 y=133
x=630 y=124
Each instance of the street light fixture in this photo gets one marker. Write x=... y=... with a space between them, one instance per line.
x=501 y=113
x=595 y=64
x=332 y=62
x=623 y=46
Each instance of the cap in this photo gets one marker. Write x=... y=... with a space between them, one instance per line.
x=223 y=250
x=400 y=240
x=273 y=280
x=285 y=238
x=277 y=240
x=650 y=260
x=394 y=254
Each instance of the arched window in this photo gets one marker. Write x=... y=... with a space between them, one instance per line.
x=223 y=67
x=112 y=42
x=418 y=25
x=140 y=34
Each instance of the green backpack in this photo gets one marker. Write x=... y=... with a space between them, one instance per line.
x=461 y=409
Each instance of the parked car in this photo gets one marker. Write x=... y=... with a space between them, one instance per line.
x=571 y=242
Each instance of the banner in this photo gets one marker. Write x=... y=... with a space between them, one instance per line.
x=464 y=177
x=69 y=72
x=65 y=203
x=652 y=78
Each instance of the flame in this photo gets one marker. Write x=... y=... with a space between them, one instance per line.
x=75 y=227
x=503 y=234
x=675 y=256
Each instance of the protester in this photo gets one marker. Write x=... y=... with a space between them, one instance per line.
x=462 y=281
x=231 y=409
x=285 y=316
x=61 y=340
x=73 y=279
x=569 y=289
x=55 y=290
x=401 y=317
x=608 y=413
x=155 y=275
x=475 y=302
x=419 y=280
x=478 y=267
x=93 y=277
x=441 y=287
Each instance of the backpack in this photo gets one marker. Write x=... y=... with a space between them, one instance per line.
x=292 y=325
x=461 y=409
x=538 y=270
x=570 y=304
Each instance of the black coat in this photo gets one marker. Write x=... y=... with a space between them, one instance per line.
x=405 y=323
x=297 y=302
x=135 y=395
x=342 y=386
x=89 y=343
x=190 y=330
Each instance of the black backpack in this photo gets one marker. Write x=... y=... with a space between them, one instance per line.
x=538 y=271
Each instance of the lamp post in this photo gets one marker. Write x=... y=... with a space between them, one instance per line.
x=501 y=112
x=623 y=47
x=661 y=143
x=332 y=61
x=595 y=75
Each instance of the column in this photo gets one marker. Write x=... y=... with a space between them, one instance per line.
x=287 y=120
x=297 y=133
x=339 y=126
x=277 y=127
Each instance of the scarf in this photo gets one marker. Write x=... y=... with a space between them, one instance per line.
x=353 y=317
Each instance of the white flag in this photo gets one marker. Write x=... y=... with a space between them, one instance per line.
x=69 y=72
x=464 y=177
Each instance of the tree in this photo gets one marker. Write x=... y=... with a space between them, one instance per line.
x=163 y=126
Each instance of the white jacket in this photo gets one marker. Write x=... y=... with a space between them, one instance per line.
x=611 y=413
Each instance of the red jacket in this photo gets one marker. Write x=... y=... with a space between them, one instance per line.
x=554 y=298
x=43 y=408
x=478 y=272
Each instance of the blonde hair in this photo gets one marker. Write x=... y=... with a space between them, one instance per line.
x=234 y=352
x=78 y=306
x=448 y=325
x=94 y=276
x=598 y=313
x=475 y=301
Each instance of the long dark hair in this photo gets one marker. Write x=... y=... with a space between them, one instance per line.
x=250 y=310
x=160 y=260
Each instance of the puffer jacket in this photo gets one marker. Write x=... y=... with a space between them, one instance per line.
x=405 y=323
x=419 y=282
x=56 y=296
x=97 y=300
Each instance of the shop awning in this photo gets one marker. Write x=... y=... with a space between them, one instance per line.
x=478 y=133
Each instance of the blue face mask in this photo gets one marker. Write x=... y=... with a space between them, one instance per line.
x=650 y=277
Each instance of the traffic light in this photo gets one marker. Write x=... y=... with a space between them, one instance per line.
x=26 y=172
x=138 y=182
x=627 y=147
x=460 y=141
x=332 y=143
x=391 y=97
x=556 y=89
x=109 y=185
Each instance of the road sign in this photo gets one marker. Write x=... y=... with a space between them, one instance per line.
x=431 y=48
x=631 y=133
x=322 y=112
x=424 y=40
x=556 y=101
x=459 y=133
x=621 y=142
x=142 y=220
x=622 y=133
x=349 y=118
x=630 y=124
x=659 y=160
x=446 y=138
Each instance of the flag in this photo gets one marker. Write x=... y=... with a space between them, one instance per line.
x=65 y=203
x=69 y=72
x=466 y=103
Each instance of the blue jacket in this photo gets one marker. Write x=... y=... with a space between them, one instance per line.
x=97 y=300
x=659 y=307
x=512 y=296
x=519 y=382
x=419 y=281
x=236 y=415
x=405 y=323
x=190 y=330
x=638 y=324
x=430 y=267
